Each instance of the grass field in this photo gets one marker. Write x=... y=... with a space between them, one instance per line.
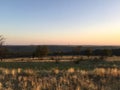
x=82 y=64
x=66 y=75
x=55 y=79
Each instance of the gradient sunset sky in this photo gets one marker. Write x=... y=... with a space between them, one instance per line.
x=64 y=22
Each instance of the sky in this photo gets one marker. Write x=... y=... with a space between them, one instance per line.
x=60 y=22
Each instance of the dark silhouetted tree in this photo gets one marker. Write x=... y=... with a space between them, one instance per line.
x=88 y=52
x=2 y=39
x=107 y=52
x=3 y=49
x=41 y=51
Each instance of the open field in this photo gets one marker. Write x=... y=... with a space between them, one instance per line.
x=82 y=64
x=55 y=79
x=67 y=74
x=60 y=58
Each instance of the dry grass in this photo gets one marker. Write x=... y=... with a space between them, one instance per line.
x=62 y=59
x=55 y=79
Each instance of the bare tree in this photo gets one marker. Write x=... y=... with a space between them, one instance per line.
x=1 y=47
x=1 y=40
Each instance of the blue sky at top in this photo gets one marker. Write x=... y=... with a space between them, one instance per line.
x=60 y=21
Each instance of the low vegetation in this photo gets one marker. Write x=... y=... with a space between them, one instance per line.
x=82 y=64
x=55 y=79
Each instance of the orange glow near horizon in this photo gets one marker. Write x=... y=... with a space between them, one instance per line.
x=91 y=35
x=82 y=40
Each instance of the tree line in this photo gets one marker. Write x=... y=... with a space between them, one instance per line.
x=42 y=51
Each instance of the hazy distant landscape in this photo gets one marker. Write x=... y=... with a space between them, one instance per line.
x=54 y=48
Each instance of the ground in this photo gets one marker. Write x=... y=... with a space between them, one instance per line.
x=66 y=74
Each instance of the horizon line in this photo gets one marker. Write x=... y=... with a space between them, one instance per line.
x=56 y=45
